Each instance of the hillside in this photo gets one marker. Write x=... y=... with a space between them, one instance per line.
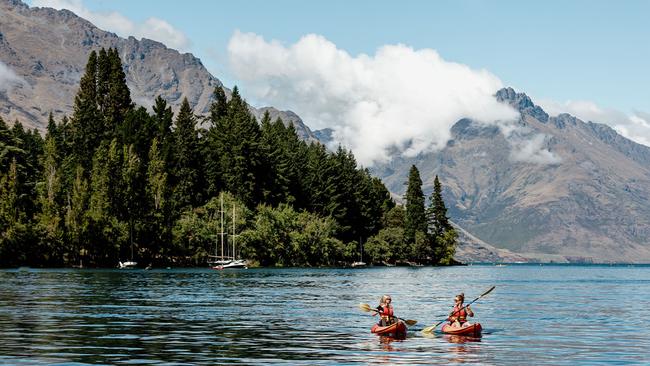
x=47 y=51
x=590 y=205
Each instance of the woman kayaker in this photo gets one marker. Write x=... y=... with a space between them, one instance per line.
x=385 y=311
x=458 y=315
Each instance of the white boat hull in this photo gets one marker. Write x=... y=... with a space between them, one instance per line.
x=235 y=264
x=128 y=265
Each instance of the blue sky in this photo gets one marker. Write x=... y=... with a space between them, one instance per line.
x=589 y=58
x=578 y=50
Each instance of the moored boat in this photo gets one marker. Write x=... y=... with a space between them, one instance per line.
x=466 y=330
x=395 y=330
x=237 y=263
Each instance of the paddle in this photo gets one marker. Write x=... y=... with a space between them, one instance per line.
x=367 y=308
x=431 y=328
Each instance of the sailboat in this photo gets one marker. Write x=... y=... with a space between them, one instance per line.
x=219 y=260
x=360 y=263
x=130 y=264
x=234 y=263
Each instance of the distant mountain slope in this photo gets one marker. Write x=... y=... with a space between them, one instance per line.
x=48 y=49
x=591 y=205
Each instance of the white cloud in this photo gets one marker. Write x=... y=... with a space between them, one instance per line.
x=399 y=97
x=8 y=78
x=152 y=28
x=635 y=127
x=532 y=150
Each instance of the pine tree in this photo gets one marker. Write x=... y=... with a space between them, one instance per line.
x=186 y=159
x=49 y=222
x=163 y=118
x=237 y=142
x=87 y=125
x=76 y=221
x=157 y=196
x=443 y=237
x=415 y=219
x=117 y=97
x=437 y=218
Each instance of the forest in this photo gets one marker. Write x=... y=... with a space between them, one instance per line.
x=115 y=179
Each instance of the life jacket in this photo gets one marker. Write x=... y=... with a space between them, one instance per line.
x=460 y=315
x=386 y=314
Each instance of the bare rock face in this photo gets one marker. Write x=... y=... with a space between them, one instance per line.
x=47 y=51
x=591 y=205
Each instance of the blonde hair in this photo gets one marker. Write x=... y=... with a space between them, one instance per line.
x=383 y=299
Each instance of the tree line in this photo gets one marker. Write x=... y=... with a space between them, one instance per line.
x=115 y=176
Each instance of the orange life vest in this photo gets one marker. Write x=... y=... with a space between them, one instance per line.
x=461 y=314
x=386 y=313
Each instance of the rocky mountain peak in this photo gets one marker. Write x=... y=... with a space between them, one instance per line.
x=522 y=103
x=14 y=4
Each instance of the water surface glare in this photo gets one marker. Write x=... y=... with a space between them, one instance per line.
x=554 y=315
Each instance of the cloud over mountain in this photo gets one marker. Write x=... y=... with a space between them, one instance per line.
x=152 y=28
x=635 y=127
x=397 y=98
x=8 y=78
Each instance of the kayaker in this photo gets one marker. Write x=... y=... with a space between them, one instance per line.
x=385 y=311
x=458 y=315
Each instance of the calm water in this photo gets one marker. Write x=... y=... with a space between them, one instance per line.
x=556 y=315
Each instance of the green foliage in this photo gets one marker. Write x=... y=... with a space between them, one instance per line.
x=415 y=219
x=442 y=236
x=186 y=160
x=387 y=246
x=284 y=237
x=114 y=174
x=196 y=234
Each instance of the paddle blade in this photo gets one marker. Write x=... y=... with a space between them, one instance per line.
x=429 y=329
x=365 y=307
x=488 y=291
x=410 y=322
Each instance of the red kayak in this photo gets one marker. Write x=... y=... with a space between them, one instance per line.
x=466 y=330
x=395 y=330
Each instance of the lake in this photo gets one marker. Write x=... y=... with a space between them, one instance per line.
x=550 y=314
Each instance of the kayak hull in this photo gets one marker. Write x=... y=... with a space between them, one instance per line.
x=468 y=330
x=396 y=330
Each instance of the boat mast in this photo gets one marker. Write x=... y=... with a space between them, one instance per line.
x=221 y=196
x=361 y=249
x=234 y=253
x=131 y=235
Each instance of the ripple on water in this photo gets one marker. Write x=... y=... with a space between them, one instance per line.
x=553 y=315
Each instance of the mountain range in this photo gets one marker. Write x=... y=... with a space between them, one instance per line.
x=46 y=51
x=584 y=200
x=588 y=202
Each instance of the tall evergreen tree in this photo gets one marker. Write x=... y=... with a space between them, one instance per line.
x=76 y=220
x=216 y=143
x=415 y=219
x=437 y=218
x=50 y=225
x=443 y=237
x=118 y=97
x=186 y=159
x=238 y=143
x=163 y=118
x=87 y=124
x=157 y=196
